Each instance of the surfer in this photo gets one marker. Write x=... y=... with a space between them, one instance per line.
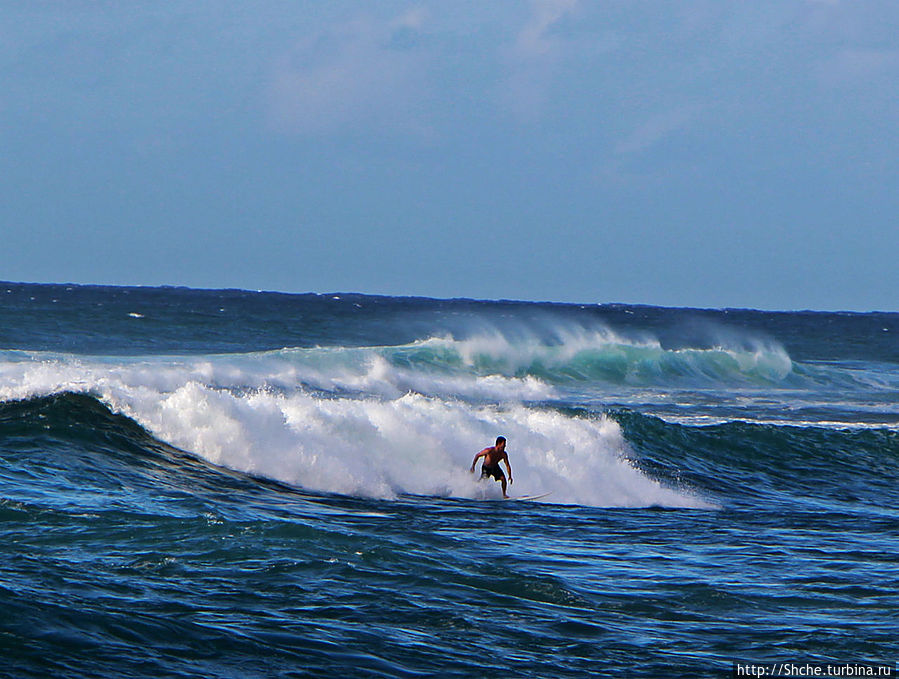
x=492 y=457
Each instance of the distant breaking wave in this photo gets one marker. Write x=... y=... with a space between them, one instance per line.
x=484 y=367
x=582 y=355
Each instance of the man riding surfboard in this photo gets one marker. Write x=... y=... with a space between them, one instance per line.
x=492 y=457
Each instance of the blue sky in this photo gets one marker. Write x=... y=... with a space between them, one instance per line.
x=706 y=153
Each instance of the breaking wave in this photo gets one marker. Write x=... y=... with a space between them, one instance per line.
x=238 y=412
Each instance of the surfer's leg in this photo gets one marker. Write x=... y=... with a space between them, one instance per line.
x=502 y=479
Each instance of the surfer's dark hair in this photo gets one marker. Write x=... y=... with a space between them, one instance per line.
x=500 y=439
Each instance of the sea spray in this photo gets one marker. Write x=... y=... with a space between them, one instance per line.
x=229 y=411
x=272 y=485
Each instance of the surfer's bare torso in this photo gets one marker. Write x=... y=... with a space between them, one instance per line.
x=492 y=457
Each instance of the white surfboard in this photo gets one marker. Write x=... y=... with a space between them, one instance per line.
x=529 y=497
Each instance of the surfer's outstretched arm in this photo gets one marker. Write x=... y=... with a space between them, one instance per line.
x=479 y=455
x=508 y=466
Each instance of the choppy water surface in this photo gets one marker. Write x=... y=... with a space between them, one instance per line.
x=223 y=483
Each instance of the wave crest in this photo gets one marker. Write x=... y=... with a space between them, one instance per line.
x=578 y=354
x=357 y=444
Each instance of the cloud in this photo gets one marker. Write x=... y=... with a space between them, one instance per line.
x=535 y=39
x=362 y=72
x=533 y=58
x=654 y=129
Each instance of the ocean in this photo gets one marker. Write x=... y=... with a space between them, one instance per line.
x=199 y=483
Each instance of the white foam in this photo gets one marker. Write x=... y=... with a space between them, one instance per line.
x=517 y=348
x=376 y=445
x=362 y=371
x=411 y=444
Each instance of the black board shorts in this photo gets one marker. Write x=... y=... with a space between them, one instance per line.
x=493 y=471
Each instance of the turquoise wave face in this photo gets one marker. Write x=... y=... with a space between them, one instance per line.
x=596 y=357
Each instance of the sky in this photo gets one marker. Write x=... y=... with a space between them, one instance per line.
x=705 y=153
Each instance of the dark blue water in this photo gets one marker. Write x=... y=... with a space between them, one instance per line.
x=234 y=484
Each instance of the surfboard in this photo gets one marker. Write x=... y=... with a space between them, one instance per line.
x=529 y=497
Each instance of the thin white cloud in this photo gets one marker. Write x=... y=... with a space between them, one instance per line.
x=654 y=129
x=414 y=19
x=535 y=40
x=353 y=74
x=534 y=57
